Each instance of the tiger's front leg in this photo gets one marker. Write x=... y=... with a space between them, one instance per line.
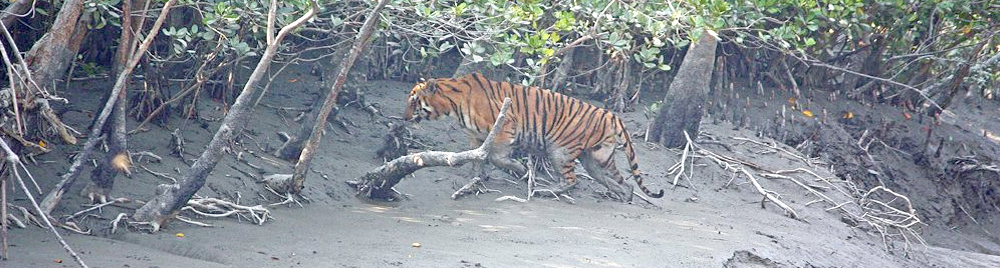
x=499 y=157
x=503 y=146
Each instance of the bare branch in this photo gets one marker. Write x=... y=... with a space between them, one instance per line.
x=378 y=183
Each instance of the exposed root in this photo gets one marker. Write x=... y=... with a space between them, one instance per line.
x=117 y=221
x=34 y=148
x=289 y=197
x=15 y=166
x=889 y=214
x=774 y=146
x=511 y=198
x=679 y=167
x=28 y=217
x=140 y=156
x=193 y=222
x=890 y=218
x=394 y=143
x=159 y=174
x=287 y=141
x=644 y=198
x=218 y=208
x=475 y=187
x=72 y=227
x=17 y=222
x=98 y=206
x=177 y=143
x=280 y=184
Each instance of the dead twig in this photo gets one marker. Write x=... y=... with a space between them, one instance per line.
x=159 y=174
x=99 y=206
x=475 y=186
x=143 y=154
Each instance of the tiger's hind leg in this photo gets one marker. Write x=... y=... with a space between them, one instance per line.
x=600 y=164
x=564 y=159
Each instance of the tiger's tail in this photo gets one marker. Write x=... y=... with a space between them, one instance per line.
x=633 y=164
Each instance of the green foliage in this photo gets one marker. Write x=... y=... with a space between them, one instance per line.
x=229 y=27
x=527 y=36
x=102 y=12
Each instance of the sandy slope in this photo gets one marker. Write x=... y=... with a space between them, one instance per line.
x=704 y=224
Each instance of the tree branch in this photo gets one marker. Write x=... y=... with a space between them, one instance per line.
x=378 y=182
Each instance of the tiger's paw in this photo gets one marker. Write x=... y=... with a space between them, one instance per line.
x=96 y=194
x=563 y=188
x=621 y=193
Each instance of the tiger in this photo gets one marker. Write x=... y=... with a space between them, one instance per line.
x=564 y=127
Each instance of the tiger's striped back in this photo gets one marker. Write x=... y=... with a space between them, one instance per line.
x=563 y=126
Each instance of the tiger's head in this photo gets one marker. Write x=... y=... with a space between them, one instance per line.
x=420 y=103
x=440 y=96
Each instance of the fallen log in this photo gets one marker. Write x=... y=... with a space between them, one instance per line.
x=378 y=183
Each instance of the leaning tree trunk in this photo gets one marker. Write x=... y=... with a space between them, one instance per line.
x=47 y=61
x=309 y=149
x=682 y=106
x=53 y=53
x=117 y=159
x=97 y=129
x=171 y=198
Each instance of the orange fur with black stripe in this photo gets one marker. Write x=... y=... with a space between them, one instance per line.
x=564 y=127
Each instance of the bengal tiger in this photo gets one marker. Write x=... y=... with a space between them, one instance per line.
x=563 y=127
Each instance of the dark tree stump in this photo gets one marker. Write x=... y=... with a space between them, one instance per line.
x=682 y=106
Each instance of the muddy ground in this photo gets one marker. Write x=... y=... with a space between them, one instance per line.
x=710 y=220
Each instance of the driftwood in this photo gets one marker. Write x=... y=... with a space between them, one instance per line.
x=378 y=182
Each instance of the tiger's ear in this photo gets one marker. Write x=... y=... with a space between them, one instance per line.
x=425 y=88
x=430 y=86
